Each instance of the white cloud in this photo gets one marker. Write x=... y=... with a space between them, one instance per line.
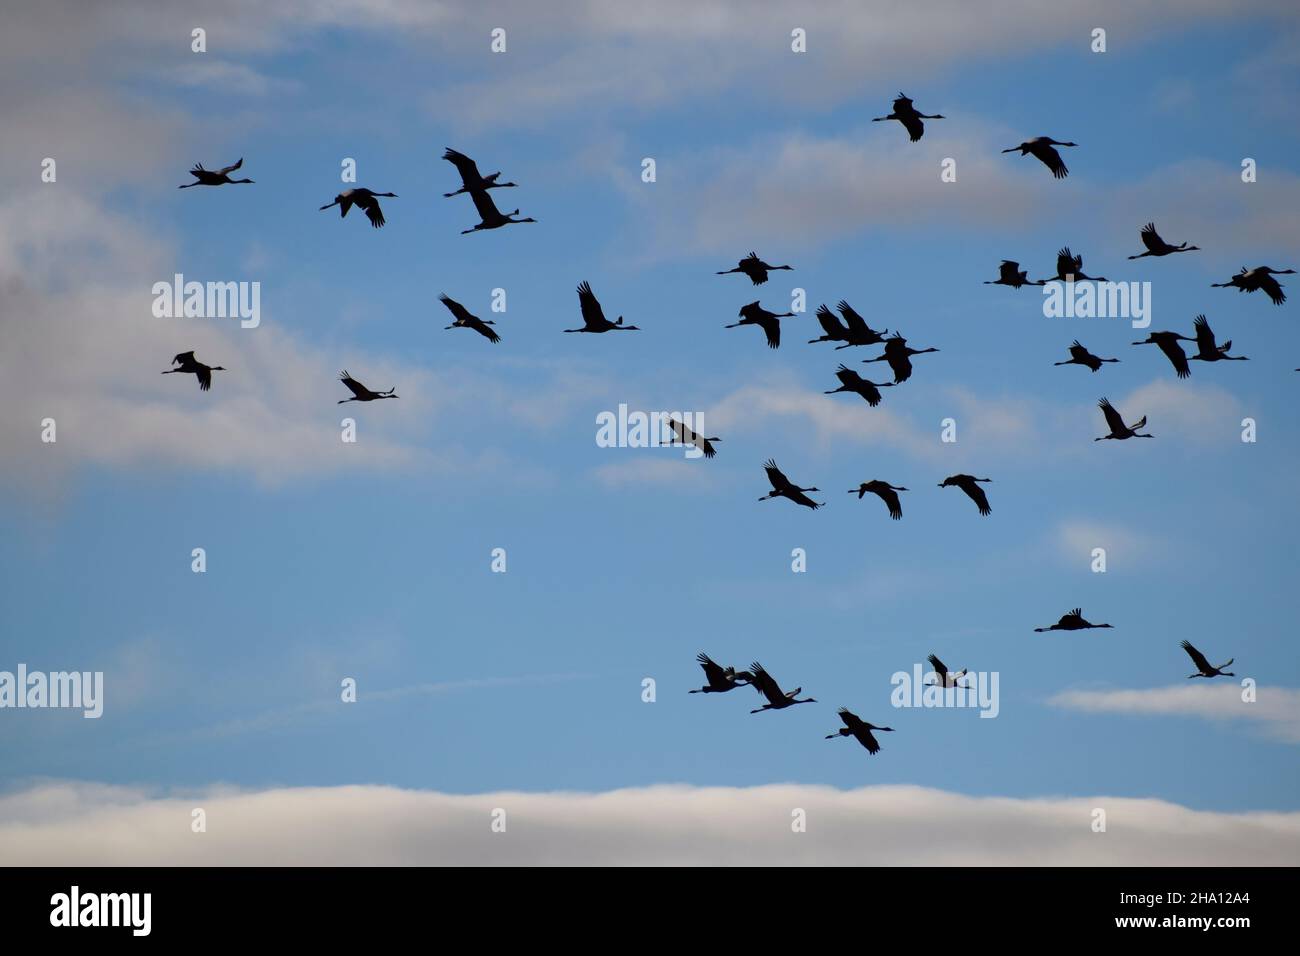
x=74 y=824
x=1199 y=412
x=1276 y=709
x=643 y=470
x=1076 y=537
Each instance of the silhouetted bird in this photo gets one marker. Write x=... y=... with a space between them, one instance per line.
x=942 y=676
x=851 y=381
x=777 y=699
x=858 y=729
x=887 y=493
x=1040 y=147
x=899 y=356
x=720 y=679
x=1260 y=277
x=1081 y=356
x=1069 y=268
x=1010 y=273
x=364 y=200
x=214 y=177
x=1118 y=430
x=769 y=322
x=1203 y=667
x=360 y=393
x=833 y=329
x=187 y=363
x=1157 y=246
x=1070 y=622
x=906 y=114
x=467 y=320
x=1168 y=342
x=755 y=268
x=492 y=217
x=857 y=332
x=783 y=488
x=469 y=174
x=1210 y=351
x=593 y=317
x=967 y=483
x=685 y=436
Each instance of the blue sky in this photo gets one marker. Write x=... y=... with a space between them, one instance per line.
x=371 y=561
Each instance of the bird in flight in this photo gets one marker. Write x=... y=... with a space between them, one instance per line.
x=858 y=729
x=783 y=488
x=469 y=174
x=1040 y=147
x=185 y=362
x=755 y=268
x=720 y=679
x=967 y=483
x=360 y=393
x=769 y=322
x=885 y=491
x=363 y=199
x=1157 y=246
x=1203 y=667
x=906 y=114
x=1073 y=621
x=593 y=316
x=777 y=699
x=1208 y=350
x=857 y=332
x=214 y=177
x=1081 y=356
x=686 y=436
x=1118 y=430
x=491 y=216
x=851 y=381
x=1010 y=273
x=467 y=320
x=1260 y=277
x=1168 y=343
x=899 y=356
x=944 y=678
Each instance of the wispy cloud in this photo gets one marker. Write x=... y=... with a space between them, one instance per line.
x=1276 y=710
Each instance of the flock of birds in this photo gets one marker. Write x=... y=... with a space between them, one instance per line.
x=847 y=329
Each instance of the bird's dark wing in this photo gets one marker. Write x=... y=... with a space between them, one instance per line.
x=592 y=314
x=890 y=497
x=455 y=308
x=765 y=685
x=1273 y=289
x=938 y=666
x=779 y=481
x=977 y=495
x=772 y=329
x=230 y=169
x=855 y=322
x=1067 y=263
x=1197 y=657
x=204 y=375
x=847 y=376
x=183 y=357
x=867 y=739
x=1009 y=271
x=353 y=385
x=912 y=123
x=1113 y=419
x=1204 y=335
x=483 y=329
x=1051 y=159
x=848 y=717
x=712 y=671
x=487 y=209
x=799 y=497
x=467 y=168
x=1151 y=239
x=1177 y=357
x=829 y=322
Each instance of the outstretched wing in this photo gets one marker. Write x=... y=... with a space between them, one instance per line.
x=1009 y=271
x=1067 y=263
x=230 y=169
x=1051 y=159
x=1197 y=657
x=204 y=375
x=890 y=497
x=592 y=314
x=1204 y=335
x=912 y=123
x=765 y=685
x=355 y=387
x=976 y=494
x=1113 y=419
x=483 y=329
x=830 y=323
x=455 y=308
x=1151 y=239
x=487 y=209
x=938 y=666
x=1273 y=289
x=864 y=736
x=779 y=481
x=1177 y=357
x=467 y=168
x=855 y=322
x=183 y=357
x=712 y=671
